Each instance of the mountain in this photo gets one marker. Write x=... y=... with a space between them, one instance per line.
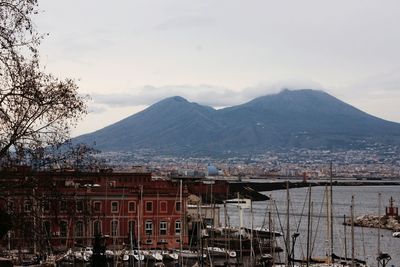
x=290 y=119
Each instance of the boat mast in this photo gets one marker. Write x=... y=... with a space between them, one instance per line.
x=157 y=224
x=345 y=236
x=251 y=233
x=379 y=228
x=331 y=212
x=328 y=240
x=131 y=244
x=181 y=226
x=270 y=226
x=226 y=225
x=241 y=227
x=287 y=224
x=352 y=231
x=311 y=229
x=308 y=225
x=139 y=210
x=200 y=230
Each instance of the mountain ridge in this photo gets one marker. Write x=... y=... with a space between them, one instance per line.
x=290 y=119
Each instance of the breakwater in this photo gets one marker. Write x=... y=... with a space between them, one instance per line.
x=374 y=221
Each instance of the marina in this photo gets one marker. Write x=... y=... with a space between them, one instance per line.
x=199 y=133
x=251 y=233
x=366 y=239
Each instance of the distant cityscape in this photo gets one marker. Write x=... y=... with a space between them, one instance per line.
x=377 y=161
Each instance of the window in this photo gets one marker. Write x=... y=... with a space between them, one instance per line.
x=131 y=227
x=79 y=206
x=97 y=227
x=163 y=228
x=79 y=229
x=149 y=228
x=63 y=205
x=47 y=228
x=97 y=206
x=46 y=206
x=208 y=221
x=163 y=206
x=131 y=206
x=178 y=206
x=114 y=206
x=27 y=206
x=63 y=229
x=114 y=228
x=28 y=230
x=10 y=206
x=149 y=206
x=177 y=227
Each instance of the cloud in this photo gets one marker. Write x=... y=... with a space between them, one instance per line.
x=262 y=89
x=96 y=109
x=210 y=95
x=147 y=95
x=384 y=84
x=185 y=22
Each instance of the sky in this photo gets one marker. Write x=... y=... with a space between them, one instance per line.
x=129 y=54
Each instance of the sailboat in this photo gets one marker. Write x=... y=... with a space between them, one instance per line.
x=132 y=254
x=169 y=255
x=152 y=255
x=262 y=232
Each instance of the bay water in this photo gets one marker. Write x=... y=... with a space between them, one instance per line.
x=366 y=201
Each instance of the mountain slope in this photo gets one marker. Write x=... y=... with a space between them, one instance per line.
x=170 y=123
x=305 y=118
x=302 y=118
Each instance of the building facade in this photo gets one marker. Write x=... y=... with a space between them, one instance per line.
x=59 y=210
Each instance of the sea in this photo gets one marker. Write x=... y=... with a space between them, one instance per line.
x=366 y=201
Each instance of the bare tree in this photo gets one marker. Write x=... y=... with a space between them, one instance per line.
x=68 y=155
x=36 y=109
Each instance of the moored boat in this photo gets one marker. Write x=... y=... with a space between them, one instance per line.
x=261 y=232
x=220 y=252
x=151 y=255
x=169 y=255
x=189 y=254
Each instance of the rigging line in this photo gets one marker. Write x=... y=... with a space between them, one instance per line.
x=342 y=245
x=299 y=223
x=265 y=218
x=271 y=225
x=274 y=242
x=362 y=232
x=363 y=242
x=319 y=219
x=282 y=230
x=302 y=212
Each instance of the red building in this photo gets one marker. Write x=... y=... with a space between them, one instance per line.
x=60 y=209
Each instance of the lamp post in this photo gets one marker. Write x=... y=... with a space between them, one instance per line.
x=383 y=259
x=294 y=237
